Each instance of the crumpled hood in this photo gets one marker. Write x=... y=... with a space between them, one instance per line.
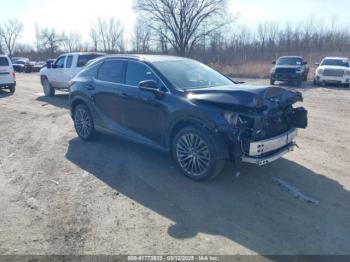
x=257 y=97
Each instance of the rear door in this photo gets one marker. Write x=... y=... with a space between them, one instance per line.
x=107 y=94
x=6 y=71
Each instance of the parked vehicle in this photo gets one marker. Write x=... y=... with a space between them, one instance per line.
x=289 y=69
x=334 y=70
x=184 y=107
x=19 y=64
x=38 y=66
x=57 y=76
x=7 y=75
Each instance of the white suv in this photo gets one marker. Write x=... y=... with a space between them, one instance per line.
x=333 y=70
x=57 y=76
x=7 y=75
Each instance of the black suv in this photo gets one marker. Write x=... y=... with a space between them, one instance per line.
x=184 y=107
x=289 y=69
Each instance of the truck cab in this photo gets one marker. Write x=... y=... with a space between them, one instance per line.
x=56 y=76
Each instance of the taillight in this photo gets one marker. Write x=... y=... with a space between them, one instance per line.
x=13 y=75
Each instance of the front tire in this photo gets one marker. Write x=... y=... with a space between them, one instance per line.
x=196 y=154
x=47 y=88
x=84 y=123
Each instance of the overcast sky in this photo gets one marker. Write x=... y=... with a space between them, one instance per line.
x=78 y=15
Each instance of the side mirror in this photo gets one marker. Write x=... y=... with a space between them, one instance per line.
x=48 y=65
x=305 y=63
x=317 y=64
x=273 y=62
x=149 y=85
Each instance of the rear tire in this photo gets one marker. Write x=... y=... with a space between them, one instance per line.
x=47 y=88
x=196 y=153
x=84 y=123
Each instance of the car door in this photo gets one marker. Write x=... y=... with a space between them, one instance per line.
x=106 y=92
x=55 y=73
x=67 y=72
x=145 y=113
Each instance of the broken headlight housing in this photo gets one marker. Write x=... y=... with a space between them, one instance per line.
x=237 y=120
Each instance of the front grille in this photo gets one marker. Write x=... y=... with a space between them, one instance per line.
x=285 y=70
x=333 y=72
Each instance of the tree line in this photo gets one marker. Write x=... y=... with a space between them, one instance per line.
x=201 y=29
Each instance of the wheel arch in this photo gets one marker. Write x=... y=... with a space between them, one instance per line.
x=199 y=123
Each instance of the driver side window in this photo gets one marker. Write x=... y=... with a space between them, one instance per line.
x=137 y=72
x=60 y=62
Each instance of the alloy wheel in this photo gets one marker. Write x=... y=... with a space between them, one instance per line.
x=83 y=123
x=193 y=154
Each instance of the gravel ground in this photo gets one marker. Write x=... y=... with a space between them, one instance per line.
x=60 y=195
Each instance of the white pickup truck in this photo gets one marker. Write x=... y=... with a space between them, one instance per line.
x=57 y=76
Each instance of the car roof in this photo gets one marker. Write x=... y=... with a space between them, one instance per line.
x=84 y=53
x=149 y=58
x=336 y=58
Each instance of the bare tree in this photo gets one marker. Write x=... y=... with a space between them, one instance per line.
x=142 y=37
x=184 y=20
x=108 y=34
x=50 y=40
x=72 y=42
x=9 y=33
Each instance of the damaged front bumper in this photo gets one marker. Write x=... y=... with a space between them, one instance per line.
x=269 y=150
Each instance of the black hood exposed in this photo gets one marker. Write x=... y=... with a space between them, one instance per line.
x=257 y=97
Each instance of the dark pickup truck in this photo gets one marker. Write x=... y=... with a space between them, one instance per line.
x=289 y=69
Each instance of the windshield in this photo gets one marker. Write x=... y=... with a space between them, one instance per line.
x=189 y=74
x=289 y=61
x=336 y=62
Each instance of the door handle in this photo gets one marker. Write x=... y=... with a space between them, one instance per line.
x=90 y=87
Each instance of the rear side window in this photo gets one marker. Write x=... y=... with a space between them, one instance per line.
x=4 y=61
x=111 y=71
x=69 y=61
x=137 y=72
x=84 y=59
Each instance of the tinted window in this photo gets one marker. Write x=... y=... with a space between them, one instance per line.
x=84 y=59
x=69 y=61
x=189 y=74
x=290 y=61
x=90 y=71
x=60 y=62
x=336 y=62
x=4 y=61
x=137 y=72
x=111 y=71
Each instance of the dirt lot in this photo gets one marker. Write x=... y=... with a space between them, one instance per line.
x=60 y=195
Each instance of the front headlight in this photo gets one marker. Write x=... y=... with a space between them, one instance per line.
x=319 y=71
x=236 y=120
x=231 y=118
